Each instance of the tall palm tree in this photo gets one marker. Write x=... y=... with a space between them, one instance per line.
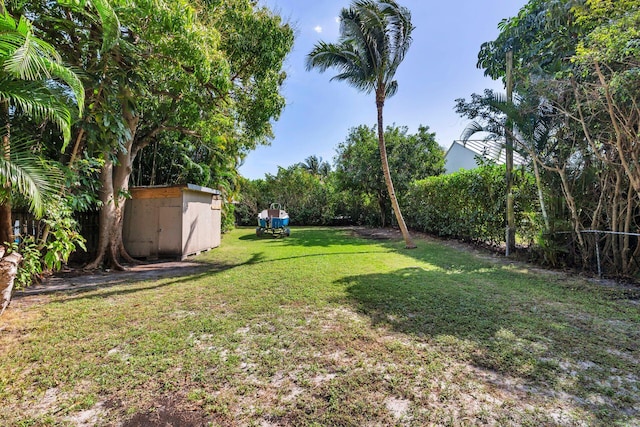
x=374 y=38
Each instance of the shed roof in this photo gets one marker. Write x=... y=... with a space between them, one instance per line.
x=191 y=187
x=194 y=187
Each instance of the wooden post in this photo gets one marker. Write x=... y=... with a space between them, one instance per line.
x=511 y=221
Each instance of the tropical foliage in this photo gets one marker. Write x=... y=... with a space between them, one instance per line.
x=375 y=36
x=358 y=171
x=32 y=84
x=36 y=89
x=576 y=117
x=200 y=78
x=353 y=193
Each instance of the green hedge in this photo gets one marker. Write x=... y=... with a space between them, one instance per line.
x=470 y=204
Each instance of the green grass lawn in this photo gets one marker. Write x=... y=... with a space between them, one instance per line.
x=324 y=328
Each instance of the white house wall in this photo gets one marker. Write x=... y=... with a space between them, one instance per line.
x=459 y=157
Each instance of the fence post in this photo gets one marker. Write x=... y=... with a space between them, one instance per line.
x=598 y=254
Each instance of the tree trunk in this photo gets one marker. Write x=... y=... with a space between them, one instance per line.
x=383 y=213
x=115 y=186
x=387 y=175
x=6 y=225
x=8 y=271
x=543 y=208
x=575 y=217
x=627 y=268
x=106 y=219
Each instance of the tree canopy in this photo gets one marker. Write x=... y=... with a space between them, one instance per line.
x=358 y=170
x=198 y=82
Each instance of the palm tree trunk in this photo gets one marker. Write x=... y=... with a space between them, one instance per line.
x=387 y=174
x=8 y=272
x=6 y=225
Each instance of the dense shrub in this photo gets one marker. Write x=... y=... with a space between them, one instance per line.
x=470 y=204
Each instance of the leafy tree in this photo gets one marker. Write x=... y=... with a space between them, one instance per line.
x=374 y=37
x=359 y=172
x=576 y=75
x=300 y=192
x=202 y=73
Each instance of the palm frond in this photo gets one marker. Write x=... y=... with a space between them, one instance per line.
x=110 y=24
x=28 y=175
x=28 y=58
x=28 y=62
x=391 y=88
x=352 y=67
x=399 y=26
x=472 y=129
x=38 y=102
x=7 y=23
x=72 y=80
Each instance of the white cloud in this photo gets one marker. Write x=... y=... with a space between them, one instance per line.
x=337 y=18
x=318 y=29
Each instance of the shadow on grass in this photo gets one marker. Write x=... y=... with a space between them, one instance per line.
x=312 y=237
x=136 y=279
x=515 y=325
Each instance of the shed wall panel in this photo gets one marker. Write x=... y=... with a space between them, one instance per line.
x=142 y=228
x=200 y=230
x=169 y=231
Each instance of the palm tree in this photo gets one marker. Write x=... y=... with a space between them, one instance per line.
x=30 y=72
x=531 y=134
x=374 y=38
x=316 y=166
x=31 y=78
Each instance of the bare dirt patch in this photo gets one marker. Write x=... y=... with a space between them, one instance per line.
x=168 y=412
x=395 y=234
x=80 y=280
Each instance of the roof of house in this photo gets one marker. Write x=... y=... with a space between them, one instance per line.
x=489 y=149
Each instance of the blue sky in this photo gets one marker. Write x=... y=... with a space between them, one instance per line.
x=439 y=68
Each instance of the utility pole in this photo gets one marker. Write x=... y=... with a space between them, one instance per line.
x=511 y=219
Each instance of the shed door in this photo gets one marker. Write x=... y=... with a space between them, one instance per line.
x=169 y=231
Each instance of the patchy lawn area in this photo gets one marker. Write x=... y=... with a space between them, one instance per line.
x=326 y=328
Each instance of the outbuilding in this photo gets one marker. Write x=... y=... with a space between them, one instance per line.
x=172 y=221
